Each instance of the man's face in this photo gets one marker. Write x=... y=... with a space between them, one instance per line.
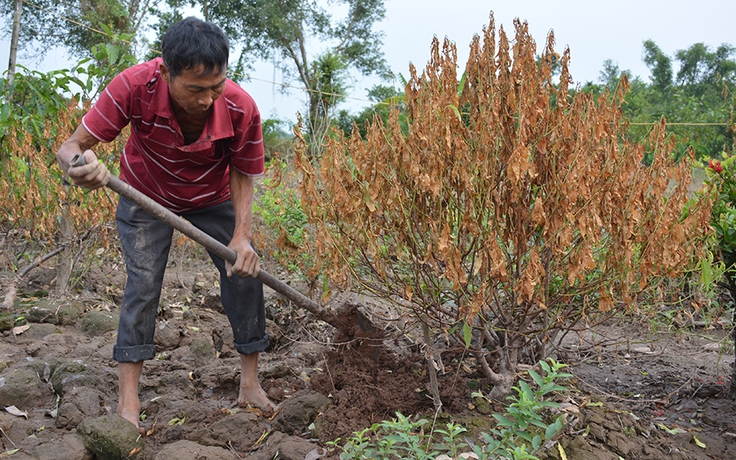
x=193 y=90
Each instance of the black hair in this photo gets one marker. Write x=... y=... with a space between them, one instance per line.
x=192 y=42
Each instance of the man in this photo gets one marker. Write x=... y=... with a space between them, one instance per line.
x=195 y=146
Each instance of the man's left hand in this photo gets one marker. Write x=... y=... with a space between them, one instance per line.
x=248 y=263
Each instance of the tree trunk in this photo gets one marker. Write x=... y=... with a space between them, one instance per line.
x=319 y=125
x=14 y=41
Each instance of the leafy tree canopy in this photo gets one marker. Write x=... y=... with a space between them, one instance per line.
x=75 y=24
x=660 y=64
x=282 y=28
x=701 y=70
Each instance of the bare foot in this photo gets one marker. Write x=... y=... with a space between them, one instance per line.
x=250 y=388
x=255 y=397
x=129 y=406
x=132 y=415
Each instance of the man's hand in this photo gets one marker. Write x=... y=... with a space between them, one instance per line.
x=248 y=263
x=87 y=172
x=90 y=173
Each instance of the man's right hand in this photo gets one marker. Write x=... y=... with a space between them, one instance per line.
x=90 y=173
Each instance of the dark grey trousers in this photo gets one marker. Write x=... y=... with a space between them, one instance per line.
x=146 y=242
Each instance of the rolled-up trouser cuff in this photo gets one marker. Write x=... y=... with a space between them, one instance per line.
x=252 y=347
x=133 y=354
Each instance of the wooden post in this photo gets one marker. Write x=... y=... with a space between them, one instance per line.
x=14 y=41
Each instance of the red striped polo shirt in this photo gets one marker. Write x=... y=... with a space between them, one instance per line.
x=156 y=161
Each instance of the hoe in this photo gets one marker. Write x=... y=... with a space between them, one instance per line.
x=345 y=321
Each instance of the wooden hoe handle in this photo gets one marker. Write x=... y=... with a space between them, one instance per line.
x=184 y=226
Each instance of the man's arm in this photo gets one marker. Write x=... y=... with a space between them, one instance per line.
x=93 y=174
x=241 y=192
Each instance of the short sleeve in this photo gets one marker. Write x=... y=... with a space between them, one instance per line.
x=111 y=113
x=246 y=148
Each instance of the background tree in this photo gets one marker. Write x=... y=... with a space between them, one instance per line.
x=329 y=75
x=166 y=14
x=276 y=140
x=610 y=76
x=703 y=71
x=47 y=27
x=384 y=98
x=660 y=65
x=697 y=102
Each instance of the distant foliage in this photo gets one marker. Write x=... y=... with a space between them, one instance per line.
x=509 y=207
x=697 y=101
x=385 y=98
x=279 y=206
x=720 y=182
x=75 y=24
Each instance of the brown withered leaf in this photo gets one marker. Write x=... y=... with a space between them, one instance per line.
x=444 y=238
x=152 y=429
x=408 y=293
x=518 y=162
x=538 y=214
x=605 y=304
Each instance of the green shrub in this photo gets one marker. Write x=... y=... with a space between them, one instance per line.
x=280 y=208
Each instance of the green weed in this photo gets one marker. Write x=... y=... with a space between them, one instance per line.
x=521 y=431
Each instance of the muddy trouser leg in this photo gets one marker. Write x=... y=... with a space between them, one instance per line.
x=146 y=242
x=242 y=297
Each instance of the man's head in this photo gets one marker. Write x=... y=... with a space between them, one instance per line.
x=192 y=43
x=195 y=57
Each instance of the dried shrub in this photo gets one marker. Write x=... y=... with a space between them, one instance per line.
x=34 y=195
x=511 y=205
